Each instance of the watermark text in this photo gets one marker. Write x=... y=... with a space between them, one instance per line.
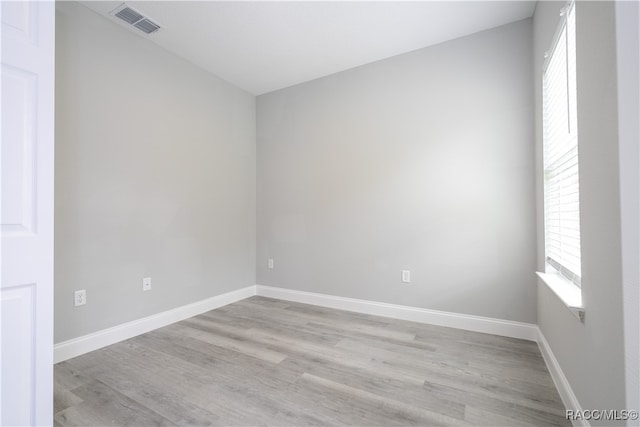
x=602 y=414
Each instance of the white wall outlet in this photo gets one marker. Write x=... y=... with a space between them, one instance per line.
x=146 y=284
x=270 y=263
x=406 y=276
x=79 y=298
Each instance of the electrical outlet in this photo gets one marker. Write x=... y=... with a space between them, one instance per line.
x=79 y=298
x=146 y=284
x=270 y=263
x=406 y=276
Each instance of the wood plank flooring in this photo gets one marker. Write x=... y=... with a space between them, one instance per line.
x=262 y=361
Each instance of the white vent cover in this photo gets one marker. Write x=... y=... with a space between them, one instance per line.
x=135 y=18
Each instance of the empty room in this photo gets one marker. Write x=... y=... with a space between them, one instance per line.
x=367 y=213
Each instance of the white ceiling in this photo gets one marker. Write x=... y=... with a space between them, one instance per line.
x=264 y=46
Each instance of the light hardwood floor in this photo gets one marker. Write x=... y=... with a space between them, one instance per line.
x=262 y=361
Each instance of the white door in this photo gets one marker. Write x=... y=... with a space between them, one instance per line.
x=26 y=290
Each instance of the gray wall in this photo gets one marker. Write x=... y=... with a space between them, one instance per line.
x=424 y=162
x=591 y=354
x=155 y=176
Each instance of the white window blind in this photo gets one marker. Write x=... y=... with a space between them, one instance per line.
x=561 y=188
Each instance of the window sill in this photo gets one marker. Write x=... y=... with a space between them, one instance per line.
x=569 y=293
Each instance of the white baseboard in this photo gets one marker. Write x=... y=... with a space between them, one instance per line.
x=81 y=345
x=84 y=344
x=569 y=399
x=506 y=328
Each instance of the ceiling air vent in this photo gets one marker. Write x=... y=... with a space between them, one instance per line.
x=135 y=18
x=147 y=26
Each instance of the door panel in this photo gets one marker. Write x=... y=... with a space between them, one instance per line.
x=18 y=161
x=26 y=214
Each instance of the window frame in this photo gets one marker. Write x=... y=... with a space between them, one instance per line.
x=560 y=153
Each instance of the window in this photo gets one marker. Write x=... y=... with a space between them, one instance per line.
x=560 y=151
